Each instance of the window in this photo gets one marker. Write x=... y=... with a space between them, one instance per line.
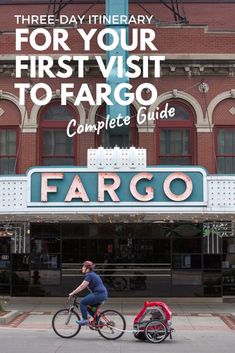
x=8 y=150
x=56 y=147
x=226 y=150
x=175 y=136
x=124 y=136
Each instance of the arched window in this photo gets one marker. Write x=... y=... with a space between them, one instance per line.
x=124 y=136
x=56 y=148
x=225 y=149
x=224 y=132
x=175 y=135
x=10 y=120
x=8 y=149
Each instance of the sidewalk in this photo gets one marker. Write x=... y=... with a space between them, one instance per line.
x=37 y=313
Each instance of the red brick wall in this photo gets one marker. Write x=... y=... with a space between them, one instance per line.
x=221 y=115
x=148 y=141
x=28 y=152
x=206 y=151
x=188 y=40
x=168 y=40
x=216 y=16
x=11 y=116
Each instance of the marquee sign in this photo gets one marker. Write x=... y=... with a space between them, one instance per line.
x=82 y=187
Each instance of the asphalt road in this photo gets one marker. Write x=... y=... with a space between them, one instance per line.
x=45 y=341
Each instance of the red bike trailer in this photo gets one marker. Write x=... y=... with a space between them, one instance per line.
x=153 y=322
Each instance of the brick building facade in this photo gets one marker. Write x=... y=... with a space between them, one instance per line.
x=197 y=78
x=202 y=51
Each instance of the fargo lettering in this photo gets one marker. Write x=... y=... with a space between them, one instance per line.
x=108 y=183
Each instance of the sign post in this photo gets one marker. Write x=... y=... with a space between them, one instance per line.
x=117 y=8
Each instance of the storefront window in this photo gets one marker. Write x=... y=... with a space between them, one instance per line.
x=184 y=245
x=226 y=150
x=20 y=278
x=5 y=252
x=228 y=265
x=8 y=150
x=4 y=277
x=189 y=278
x=133 y=259
x=20 y=274
x=45 y=244
x=212 y=261
x=187 y=261
x=175 y=135
x=45 y=251
x=56 y=147
x=212 y=291
x=212 y=278
x=45 y=261
x=5 y=261
x=44 y=278
x=45 y=258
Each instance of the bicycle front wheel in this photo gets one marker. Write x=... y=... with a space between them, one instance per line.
x=64 y=323
x=111 y=324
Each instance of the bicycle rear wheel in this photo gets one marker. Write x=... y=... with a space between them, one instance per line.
x=155 y=331
x=111 y=324
x=64 y=323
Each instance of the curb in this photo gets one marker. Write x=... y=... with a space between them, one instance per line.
x=119 y=300
x=233 y=316
x=4 y=320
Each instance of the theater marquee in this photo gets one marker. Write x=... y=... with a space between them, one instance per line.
x=79 y=187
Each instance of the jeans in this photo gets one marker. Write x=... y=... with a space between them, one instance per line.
x=91 y=299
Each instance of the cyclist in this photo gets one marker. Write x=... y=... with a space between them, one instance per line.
x=98 y=292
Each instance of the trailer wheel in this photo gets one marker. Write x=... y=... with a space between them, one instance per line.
x=155 y=331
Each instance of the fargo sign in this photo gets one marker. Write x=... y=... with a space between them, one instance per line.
x=79 y=187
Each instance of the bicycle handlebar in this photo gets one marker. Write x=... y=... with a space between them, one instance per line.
x=73 y=299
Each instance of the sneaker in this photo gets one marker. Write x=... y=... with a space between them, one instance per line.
x=82 y=322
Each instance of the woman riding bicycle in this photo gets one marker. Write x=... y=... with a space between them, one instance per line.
x=95 y=285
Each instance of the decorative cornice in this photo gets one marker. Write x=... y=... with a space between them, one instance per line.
x=174 y=65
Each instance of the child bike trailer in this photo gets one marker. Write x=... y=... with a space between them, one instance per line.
x=153 y=323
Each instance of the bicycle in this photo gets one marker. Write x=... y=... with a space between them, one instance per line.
x=109 y=323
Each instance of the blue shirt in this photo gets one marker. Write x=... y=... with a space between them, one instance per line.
x=96 y=284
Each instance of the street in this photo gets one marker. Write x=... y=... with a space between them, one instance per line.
x=45 y=341
x=199 y=328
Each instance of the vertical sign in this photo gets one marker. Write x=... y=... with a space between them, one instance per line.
x=117 y=7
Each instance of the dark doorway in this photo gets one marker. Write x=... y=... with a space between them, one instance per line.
x=5 y=264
